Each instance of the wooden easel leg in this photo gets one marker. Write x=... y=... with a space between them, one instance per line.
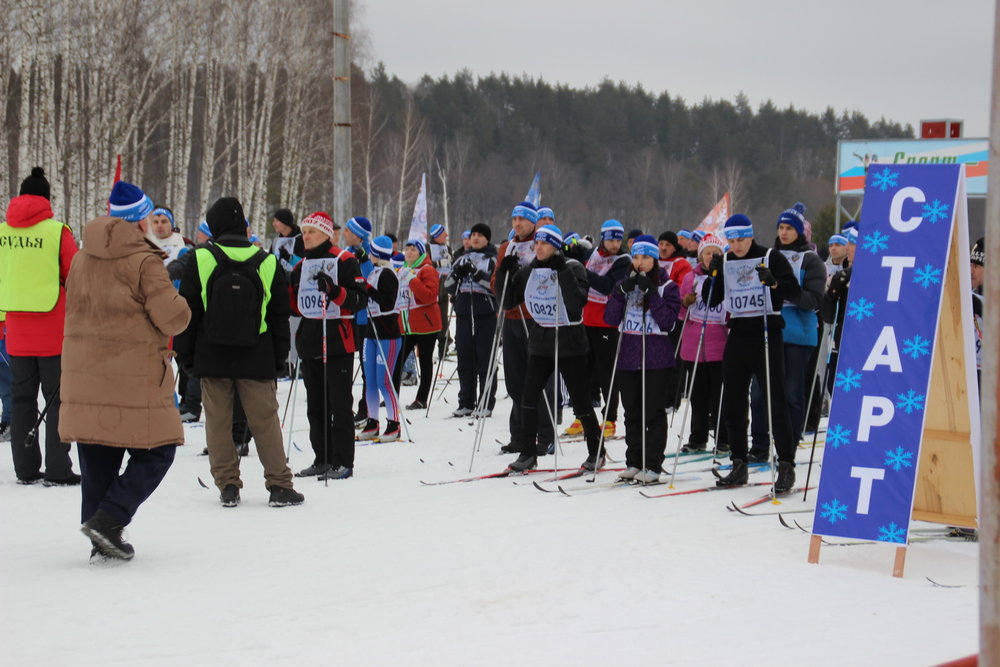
x=900 y=562
x=815 y=542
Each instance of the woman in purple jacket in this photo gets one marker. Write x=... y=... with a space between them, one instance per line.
x=645 y=301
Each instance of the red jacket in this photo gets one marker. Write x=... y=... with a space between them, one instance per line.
x=39 y=334
x=424 y=315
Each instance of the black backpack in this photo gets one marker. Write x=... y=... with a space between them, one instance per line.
x=235 y=294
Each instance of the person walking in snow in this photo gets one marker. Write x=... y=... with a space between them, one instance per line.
x=117 y=376
x=647 y=301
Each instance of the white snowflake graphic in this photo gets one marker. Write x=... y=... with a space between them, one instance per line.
x=890 y=533
x=885 y=179
x=875 y=242
x=861 y=309
x=838 y=436
x=927 y=275
x=848 y=380
x=936 y=211
x=898 y=458
x=910 y=401
x=834 y=511
x=917 y=346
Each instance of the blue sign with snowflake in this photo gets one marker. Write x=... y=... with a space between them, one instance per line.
x=883 y=373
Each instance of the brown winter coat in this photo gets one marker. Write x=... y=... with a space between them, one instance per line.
x=121 y=309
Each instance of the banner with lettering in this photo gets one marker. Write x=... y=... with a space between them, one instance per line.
x=888 y=345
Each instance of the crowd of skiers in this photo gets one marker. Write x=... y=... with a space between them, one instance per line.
x=624 y=324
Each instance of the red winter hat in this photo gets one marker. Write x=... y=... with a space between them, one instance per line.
x=321 y=221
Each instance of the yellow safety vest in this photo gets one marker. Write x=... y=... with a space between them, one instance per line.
x=206 y=265
x=29 y=266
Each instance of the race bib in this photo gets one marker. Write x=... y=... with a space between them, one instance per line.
x=404 y=297
x=481 y=263
x=600 y=265
x=700 y=312
x=310 y=301
x=288 y=243
x=636 y=320
x=525 y=251
x=746 y=296
x=373 y=308
x=544 y=301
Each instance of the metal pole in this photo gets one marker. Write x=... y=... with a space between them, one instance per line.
x=989 y=538
x=341 y=110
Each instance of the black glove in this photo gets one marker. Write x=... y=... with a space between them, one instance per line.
x=510 y=263
x=575 y=251
x=462 y=270
x=838 y=284
x=360 y=253
x=557 y=262
x=643 y=282
x=629 y=283
x=327 y=286
x=765 y=275
x=284 y=255
x=715 y=266
x=479 y=276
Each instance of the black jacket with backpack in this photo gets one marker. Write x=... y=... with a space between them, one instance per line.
x=203 y=358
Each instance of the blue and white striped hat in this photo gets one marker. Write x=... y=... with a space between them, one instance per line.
x=203 y=228
x=697 y=235
x=360 y=227
x=837 y=239
x=612 y=230
x=163 y=211
x=549 y=234
x=525 y=210
x=418 y=244
x=397 y=261
x=738 y=227
x=381 y=245
x=645 y=245
x=436 y=231
x=852 y=235
x=468 y=233
x=684 y=234
x=546 y=212
x=571 y=238
x=128 y=202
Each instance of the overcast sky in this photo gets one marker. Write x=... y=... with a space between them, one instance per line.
x=902 y=59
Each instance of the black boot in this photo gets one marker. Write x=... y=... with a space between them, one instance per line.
x=524 y=463
x=106 y=534
x=786 y=478
x=738 y=476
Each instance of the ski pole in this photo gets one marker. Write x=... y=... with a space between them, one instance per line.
x=490 y=375
x=643 y=397
x=437 y=371
x=555 y=375
x=607 y=403
x=392 y=388
x=690 y=386
x=288 y=399
x=326 y=405
x=291 y=422
x=767 y=380
x=826 y=376
x=33 y=433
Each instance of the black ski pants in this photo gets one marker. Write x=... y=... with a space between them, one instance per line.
x=704 y=399
x=515 y=366
x=602 y=342
x=337 y=433
x=743 y=360
x=654 y=419
x=27 y=374
x=424 y=344
x=105 y=486
x=474 y=342
x=574 y=373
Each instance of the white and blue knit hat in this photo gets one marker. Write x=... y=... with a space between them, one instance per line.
x=546 y=212
x=525 y=210
x=852 y=235
x=837 y=239
x=436 y=231
x=360 y=227
x=128 y=202
x=381 y=246
x=164 y=211
x=418 y=244
x=468 y=234
x=795 y=217
x=645 y=245
x=397 y=261
x=549 y=234
x=203 y=228
x=685 y=234
x=738 y=227
x=612 y=230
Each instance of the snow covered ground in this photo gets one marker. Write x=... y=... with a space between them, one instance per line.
x=380 y=570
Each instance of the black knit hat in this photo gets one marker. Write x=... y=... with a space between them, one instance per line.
x=226 y=217
x=285 y=216
x=482 y=228
x=671 y=238
x=36 y=184
x=978 y=253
